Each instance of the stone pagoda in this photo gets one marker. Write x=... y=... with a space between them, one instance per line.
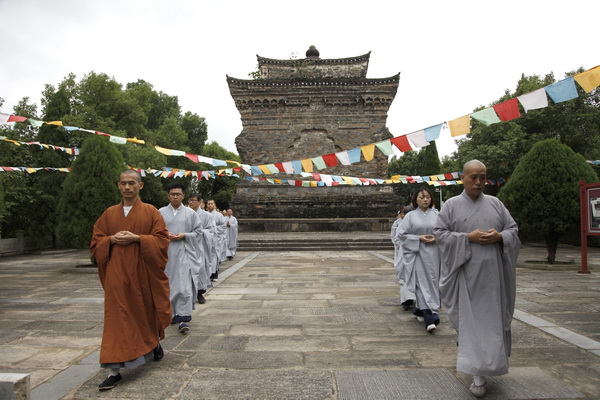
x=303 y=108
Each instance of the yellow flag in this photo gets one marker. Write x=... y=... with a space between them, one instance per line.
x=368 y=151
x=264 y=169
x=590 y=79
x=307 y=165
x=59 y=123
x=460 y=126
x=162 y=150
x=136 y=140
x=313 y=184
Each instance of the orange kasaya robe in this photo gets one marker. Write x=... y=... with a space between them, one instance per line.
x=137 y=308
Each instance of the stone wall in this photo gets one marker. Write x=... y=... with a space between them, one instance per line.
x=281 y=201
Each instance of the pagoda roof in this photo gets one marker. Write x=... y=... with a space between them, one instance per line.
x=315 y=61
x=311 y=82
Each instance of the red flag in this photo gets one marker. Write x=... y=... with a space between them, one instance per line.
x=448 y=176
x=193 y=157
x=280 y=167
x=14 y=118
x=508 y=110
x=330 y=160
x=298 y=183
x=401 y=142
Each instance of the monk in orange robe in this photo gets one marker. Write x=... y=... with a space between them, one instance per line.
x=130 y=243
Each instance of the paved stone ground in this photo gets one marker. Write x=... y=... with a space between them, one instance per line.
x=298 y=325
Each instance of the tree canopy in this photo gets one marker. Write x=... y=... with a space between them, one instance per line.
x=543 y=191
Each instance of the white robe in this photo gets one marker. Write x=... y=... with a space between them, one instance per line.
x=405 y=294
x=232 y=234
x=478 y=282
x=421 y=261
x=183 y=267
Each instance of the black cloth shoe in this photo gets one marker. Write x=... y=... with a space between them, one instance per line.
x=110 y=382
x=201 y=298
x=159 y=353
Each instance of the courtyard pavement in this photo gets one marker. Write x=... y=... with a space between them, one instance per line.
x=299 y=325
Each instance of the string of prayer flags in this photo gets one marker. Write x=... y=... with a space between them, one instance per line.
x=31 y=170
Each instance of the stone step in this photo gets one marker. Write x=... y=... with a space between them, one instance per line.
x=282 y=244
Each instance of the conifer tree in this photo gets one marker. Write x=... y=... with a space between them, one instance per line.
x=88 y=190
x=543 y=191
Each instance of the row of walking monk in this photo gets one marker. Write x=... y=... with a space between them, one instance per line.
x=462 y=257
x=154 y=265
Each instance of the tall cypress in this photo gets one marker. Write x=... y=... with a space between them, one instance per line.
x=88 y=190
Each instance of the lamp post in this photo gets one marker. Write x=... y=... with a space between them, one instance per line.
x=439 y=190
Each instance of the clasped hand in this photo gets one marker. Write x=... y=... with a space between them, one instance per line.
x=124 y=238
x=483 y=237
x=427 y=238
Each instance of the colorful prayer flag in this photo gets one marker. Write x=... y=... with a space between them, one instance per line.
x=562 y=90
x=486 y=116
x=508 y=110
x=534 y=100
x=589 y=80
x=460 y=126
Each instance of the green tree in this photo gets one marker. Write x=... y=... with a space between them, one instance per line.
x=88 y=190
x=543 y=191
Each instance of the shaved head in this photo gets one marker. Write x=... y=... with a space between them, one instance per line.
x=473 y=164
x=138 y=176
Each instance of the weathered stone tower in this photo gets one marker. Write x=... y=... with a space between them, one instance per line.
x=303 y=108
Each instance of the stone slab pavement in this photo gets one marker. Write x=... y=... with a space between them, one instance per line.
x=298 y=325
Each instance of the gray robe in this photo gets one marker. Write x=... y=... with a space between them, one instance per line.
x=221 y=232
x=405 y=294
x=421 y=261
x=183 y=267
x=478 y=282
x=232 y=234
x=208 y=247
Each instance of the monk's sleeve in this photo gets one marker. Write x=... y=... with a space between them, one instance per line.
x=455 y=251
x=196 y=232
x=510 y=252
x=154 y=246
x=100 y=245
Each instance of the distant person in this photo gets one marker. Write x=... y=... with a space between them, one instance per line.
x=232 y=234
x=196 y=203
x=407 y=298
x=479 y=248
x=221 y=231
x=185 y=257
x=421 y=258
x=130 y=243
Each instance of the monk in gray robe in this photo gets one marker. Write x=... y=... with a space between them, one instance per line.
x=479 y=246
x=183 y=268
x=220 y=232
x=421 y=258
x=209 y=258
x=232 y=234
x=407 y=298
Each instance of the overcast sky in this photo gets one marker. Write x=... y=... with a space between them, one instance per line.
x=453 y=56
